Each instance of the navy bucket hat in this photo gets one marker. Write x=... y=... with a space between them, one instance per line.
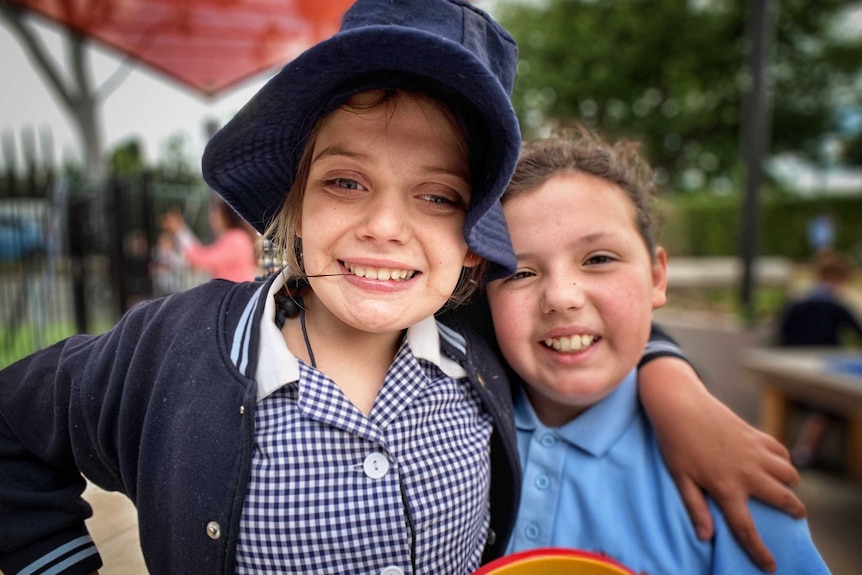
x=446 y=48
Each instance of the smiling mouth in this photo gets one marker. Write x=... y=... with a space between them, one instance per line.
x=572 y=344
x=372 y=273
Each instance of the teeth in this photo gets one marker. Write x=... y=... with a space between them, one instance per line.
x=571 y=344
x=380 y=273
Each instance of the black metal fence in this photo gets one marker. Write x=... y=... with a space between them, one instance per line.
x=73 y=258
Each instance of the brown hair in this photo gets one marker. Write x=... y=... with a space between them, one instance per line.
x=833 y=267
x=577 y=149
x=286 y=244
x=231 y=218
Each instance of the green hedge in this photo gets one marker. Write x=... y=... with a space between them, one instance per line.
x=707 y=225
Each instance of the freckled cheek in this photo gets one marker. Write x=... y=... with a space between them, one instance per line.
x=511 y=312
x=622 y=308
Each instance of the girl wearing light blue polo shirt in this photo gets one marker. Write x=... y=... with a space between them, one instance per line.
x=573 y=321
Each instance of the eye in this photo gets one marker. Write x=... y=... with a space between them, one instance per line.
x=442 y=200
x=447 y=202
x=600 y=259
x=520 y=275
x=344 y=183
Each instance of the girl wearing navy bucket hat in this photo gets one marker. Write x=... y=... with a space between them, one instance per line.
x=321 y=420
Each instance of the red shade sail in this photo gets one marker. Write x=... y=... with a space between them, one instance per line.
x=208 y=45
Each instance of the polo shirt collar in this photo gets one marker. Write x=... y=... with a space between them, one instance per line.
x=596 y=429
x=277 y=366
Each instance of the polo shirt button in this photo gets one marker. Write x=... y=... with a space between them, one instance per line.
x=213 y=530
x=548 y=440
x=542 y=482
x=376 y=466
x=531 y=532
x=392 y=570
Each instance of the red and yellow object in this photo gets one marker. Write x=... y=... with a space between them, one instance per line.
x=554 y=561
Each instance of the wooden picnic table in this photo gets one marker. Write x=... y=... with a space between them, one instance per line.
x=825 y=378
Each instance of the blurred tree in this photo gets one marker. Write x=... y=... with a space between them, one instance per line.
x=853 y=150
x=73 y=86
x=177 y=163
x=816 y=73
x=671 y=74
x=127 y=159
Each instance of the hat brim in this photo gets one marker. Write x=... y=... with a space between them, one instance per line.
x=252 y=161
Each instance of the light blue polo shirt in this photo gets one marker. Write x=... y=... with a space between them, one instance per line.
x=599 y=483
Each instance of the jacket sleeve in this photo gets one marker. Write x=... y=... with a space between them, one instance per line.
x=41 y=510
x=67 y=412
x=121 y=409
x=660 y=344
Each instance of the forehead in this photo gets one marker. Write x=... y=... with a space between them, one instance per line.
x=382 y=106
x=567 y=196
x=407 y=125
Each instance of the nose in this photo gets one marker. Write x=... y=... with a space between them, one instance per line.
x=563 y=292
x=385 y=218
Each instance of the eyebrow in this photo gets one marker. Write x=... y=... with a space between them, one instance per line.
x=339 y=151
x=431 y=170
x=580 y=242
x=592 y=238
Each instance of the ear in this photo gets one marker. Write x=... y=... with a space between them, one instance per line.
x=659 y=278
x=471 y=260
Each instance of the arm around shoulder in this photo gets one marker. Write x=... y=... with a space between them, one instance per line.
x=726 y=457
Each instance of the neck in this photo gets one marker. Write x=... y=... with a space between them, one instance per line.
x=357 y=361
x=552 y=413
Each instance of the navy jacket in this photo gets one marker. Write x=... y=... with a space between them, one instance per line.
x=161 y=408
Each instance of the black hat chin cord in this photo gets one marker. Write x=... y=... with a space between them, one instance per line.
x=289 y=304
x=305 y=334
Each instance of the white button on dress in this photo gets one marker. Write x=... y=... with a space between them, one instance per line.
x=375 y=466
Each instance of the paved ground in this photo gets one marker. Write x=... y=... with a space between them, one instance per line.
x=114 y=528
x=835 y=518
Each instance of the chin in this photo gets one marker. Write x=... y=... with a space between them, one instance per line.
x=581 y=395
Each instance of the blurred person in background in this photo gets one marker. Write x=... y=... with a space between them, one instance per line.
x=230 y=256
x=168 y=268
x=821 y=232
x=822 y=317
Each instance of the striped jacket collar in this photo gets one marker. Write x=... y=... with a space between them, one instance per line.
x=277 y=366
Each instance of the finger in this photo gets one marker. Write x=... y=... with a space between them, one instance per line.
x=698 y=510
x=773 y=444
x=779 y=495
x=777 y=447
x=782 y=470
x=741 y=523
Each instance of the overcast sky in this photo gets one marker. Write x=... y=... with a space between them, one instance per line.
x=146 y=104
